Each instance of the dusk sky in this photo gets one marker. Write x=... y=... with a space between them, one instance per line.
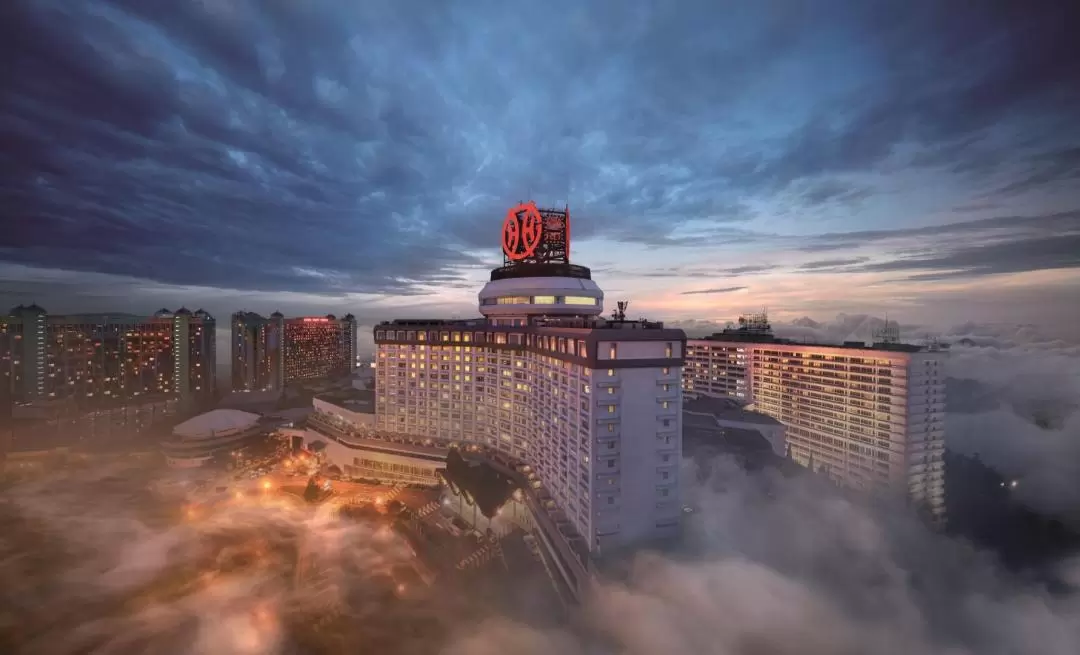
x=916 y=158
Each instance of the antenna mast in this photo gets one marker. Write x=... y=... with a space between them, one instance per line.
x=619 y=314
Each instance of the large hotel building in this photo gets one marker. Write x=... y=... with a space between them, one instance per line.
x=591 y=406
x=868 y=416
x=268 y=353
x=106 y=357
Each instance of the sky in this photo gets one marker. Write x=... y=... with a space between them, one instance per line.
x=919 y=159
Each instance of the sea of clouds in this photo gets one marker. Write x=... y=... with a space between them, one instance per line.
x=770 y=566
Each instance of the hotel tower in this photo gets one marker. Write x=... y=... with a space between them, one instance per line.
x=869 y=416
x=591 y=405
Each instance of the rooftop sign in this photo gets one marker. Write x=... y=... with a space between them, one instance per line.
x=536 y=236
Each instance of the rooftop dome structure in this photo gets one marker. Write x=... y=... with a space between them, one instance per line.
x=217 y=423
x=541 y=296
x=537 y=278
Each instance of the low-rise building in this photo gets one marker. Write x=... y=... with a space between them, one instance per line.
x=200 y=440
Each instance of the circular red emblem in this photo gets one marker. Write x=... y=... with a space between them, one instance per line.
x=522 y=230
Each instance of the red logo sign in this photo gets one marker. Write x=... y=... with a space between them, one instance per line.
x=522 y=230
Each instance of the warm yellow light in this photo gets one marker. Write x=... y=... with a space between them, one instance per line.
x=266 y=485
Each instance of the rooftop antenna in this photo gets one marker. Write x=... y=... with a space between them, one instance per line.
x=619 y=314
x=888 y=334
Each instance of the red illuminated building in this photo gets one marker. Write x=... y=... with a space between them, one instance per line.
x=269 y=353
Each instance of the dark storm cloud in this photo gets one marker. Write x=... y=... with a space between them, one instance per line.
x=1021 y=227
x=742 y=270
x=373 y=146
x=827 y=264
x=950 y=73
x=719 y=290
x=1063 y=165
x=990 y=259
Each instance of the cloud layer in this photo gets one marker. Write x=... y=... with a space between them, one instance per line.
x=769 y=565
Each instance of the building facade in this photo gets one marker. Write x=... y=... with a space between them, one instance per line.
x=868 y=416
x=592 y=406
x=107 y=357
x=258 y=352
x=269 y=353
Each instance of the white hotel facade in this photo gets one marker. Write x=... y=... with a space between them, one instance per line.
x=869 y=416
x=592 y=406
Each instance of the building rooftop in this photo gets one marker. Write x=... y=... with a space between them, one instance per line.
x=724 y=409
x=488 y=488
x=550 y=269
x=351 y=398
x=218 y=420
x=575 y=322
x=749 y=336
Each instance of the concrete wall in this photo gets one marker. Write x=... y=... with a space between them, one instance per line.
x=636 y=465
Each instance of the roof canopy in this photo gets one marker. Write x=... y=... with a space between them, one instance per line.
x=219 y=420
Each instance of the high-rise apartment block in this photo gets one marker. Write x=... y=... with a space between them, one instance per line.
x=592 y=406
x=268 y=353
x=105 y=357
x=868 y=416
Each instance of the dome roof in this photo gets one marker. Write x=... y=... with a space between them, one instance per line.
x=183 y=311
x=217 y=421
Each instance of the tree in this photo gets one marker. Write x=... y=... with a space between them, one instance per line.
x=312 y=492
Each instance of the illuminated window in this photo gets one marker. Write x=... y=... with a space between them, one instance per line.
x=613 y=351
x=611 y=409
x=610 y=427
x=611 y=372
x=543 y=300
x=579 y=300
x=667 y=350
